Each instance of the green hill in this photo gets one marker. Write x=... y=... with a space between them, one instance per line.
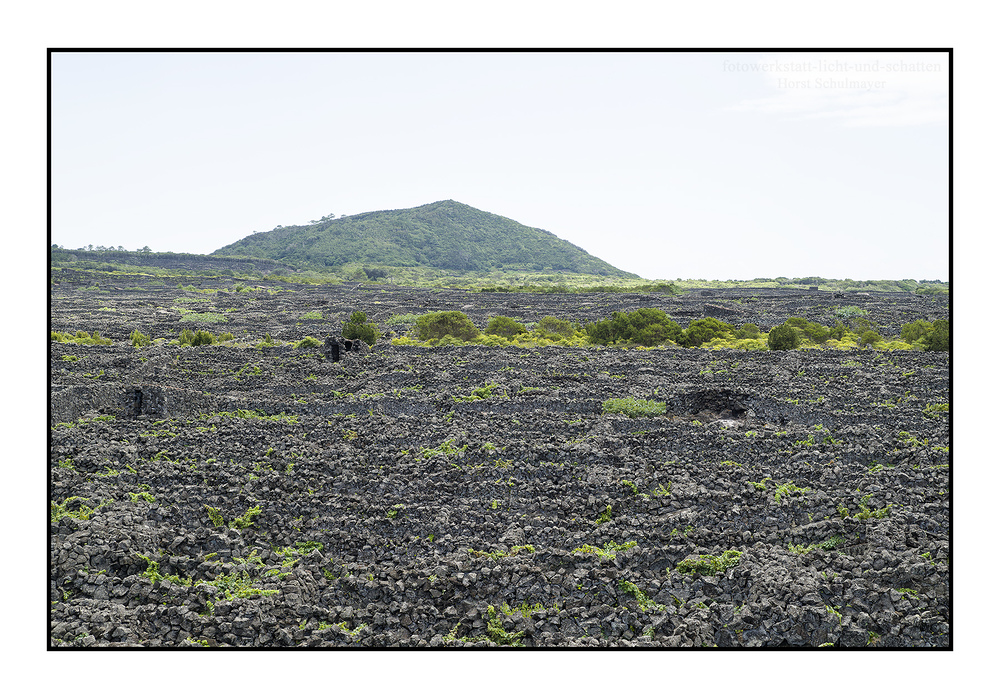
x=444 y=235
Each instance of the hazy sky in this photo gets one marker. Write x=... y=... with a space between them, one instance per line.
x=669 y=165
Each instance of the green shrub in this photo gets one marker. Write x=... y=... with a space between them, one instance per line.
x=138 y=339
x=634 y=407
x=553 y=328
x=81 y=338
x=925 y=335
x=860 y=325
x=203 y=337
x=710 y=565
x=850 y=312
x=308 y=342
x=358 y=328
x=268 y=341
x=913 y=332
x=438 y=324
x=194 y=339
x=814 y=331
x=504 y=327
x=644 y=326
x=748 y=331
x=783 y=337
x=869 y=337
x=447 y=340
x=701 y=331
x=246 y=519
x=940 y=336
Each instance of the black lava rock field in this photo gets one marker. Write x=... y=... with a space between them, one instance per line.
x=262 y=496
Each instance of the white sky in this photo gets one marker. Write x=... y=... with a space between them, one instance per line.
x=691 y=165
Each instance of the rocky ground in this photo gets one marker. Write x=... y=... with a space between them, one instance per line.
x=471 y=496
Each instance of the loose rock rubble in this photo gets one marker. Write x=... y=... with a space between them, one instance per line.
x=472 y=496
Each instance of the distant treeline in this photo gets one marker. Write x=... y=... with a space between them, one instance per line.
x=491 y=281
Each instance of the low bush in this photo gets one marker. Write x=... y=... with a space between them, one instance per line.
x=80 y=338
x=728 y=342
x=138 y=339
x=710 y=565
x=268 y=341
x=939 y=339
x=924 y=335
x=701 y=331
x=191 y=338
x=860 y=325
x=838 y=331
x=807 y=329
x=203 y=337
x=644 y=326
x=747 y=331
x=913 y=332
x=439 y=324
x=634 y=407
x=783 y=337
x=503 y=326
x=308 y=342
x=552 y=328
x=850 y=312
x=870 y=338
x=358 y=328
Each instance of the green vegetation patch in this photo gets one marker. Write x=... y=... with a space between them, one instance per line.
x=786 y=490
x=936 y=410
x=699 y=332
x=503 y=326
x=58 y=510
x=498 y=554
x=241 y=414
x=244 y=521
x=633 y=407
x=138 y=339
x=710 y=565
x=645 y=326
x=192 y=338
x=440 y=324
x=865 y=512
x=357 y=327
x=850 y=312
x=481 y=393
x=308 y=342
x=645 y=603
x=606 y=551
x=81 y=337
x=446 y=448
x=783 y=337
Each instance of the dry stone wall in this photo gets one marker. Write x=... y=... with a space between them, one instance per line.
x=267 y=496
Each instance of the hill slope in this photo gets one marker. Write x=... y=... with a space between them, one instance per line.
x=442 y=235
